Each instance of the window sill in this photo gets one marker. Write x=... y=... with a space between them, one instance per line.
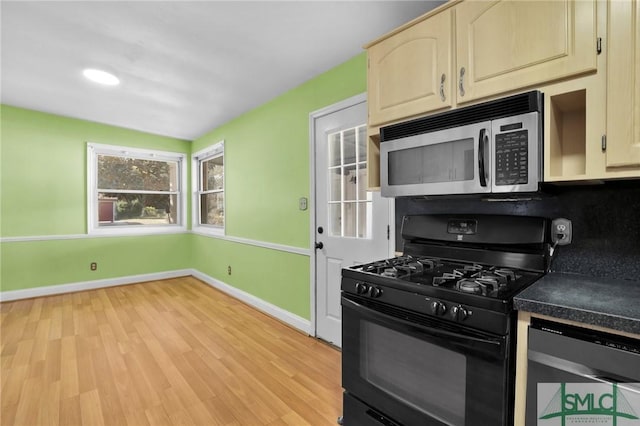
x=116 y=231
x=208 y=231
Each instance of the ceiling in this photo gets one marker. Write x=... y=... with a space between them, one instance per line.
x=186 y=67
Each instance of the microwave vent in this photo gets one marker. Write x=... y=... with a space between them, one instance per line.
x=505 y=107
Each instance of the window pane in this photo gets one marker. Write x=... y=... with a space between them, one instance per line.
x=335 y=184
x=350 y=187
x=213 y=174
x=362 y=181
x=212 y=209
x=349 y=146
x=137 y=209
x=136 y=174
x=350 y=215
x=334 y=149
x=362 y=143
x=335 y=220
x=364 y=218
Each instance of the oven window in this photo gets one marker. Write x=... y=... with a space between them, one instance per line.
x=442 y=162
x=425 y=376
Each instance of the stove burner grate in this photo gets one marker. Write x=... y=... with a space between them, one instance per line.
x=474 y=278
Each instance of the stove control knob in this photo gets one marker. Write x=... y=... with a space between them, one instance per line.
x=438 y=308
x=459 y=313
x=361 y=288
x=375 y=291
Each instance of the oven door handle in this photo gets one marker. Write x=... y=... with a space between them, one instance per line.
x=461 y=338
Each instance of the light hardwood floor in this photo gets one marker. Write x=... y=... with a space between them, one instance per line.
x=164 y=352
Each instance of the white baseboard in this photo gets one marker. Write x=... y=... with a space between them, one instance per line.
x=27 y=293
x=285 y=316
x=266 y=307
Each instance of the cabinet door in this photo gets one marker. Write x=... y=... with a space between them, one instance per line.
x=623 y=84
x=409 y=72
x=508 y=45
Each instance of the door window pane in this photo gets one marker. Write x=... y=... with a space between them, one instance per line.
x=335 y=184
x=350 y=219
x=362 y=144
x=334 y=150
x=362 y=182
x=364 y=219
x=350 y=187
x=335 y=219
x=349 y=144
x=349 y=202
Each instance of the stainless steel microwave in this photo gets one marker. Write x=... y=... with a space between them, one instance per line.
x=492 y=147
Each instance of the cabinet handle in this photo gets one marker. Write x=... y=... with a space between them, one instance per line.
x=442 y=96
x=461 y=84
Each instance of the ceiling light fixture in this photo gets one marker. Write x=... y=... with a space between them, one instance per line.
x=101 y=77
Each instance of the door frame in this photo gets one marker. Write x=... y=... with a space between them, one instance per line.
x=314 y=116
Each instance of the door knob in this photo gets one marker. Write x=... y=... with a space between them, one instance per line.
x=319 y=245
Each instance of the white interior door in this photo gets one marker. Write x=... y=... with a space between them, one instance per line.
x=352 y=225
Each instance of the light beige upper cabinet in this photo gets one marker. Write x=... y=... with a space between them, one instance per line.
x=410 y=72
x=623 y=84
x=509 y=45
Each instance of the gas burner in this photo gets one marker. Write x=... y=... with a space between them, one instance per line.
x=483 y=286
x=511 y=276
x=429 y=263
x=472 y=268
x=492 y=278
x=409 y=269
x=378 y=267
x=468 y=285
x=448 y=277
x=390 y=272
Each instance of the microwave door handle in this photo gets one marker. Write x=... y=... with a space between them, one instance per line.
x=435 y=332
x=482 y=139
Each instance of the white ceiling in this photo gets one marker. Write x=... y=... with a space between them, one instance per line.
x=186 y=67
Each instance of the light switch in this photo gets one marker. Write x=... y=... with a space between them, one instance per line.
x=302 y=203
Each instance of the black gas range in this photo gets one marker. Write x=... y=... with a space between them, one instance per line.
x=429 y=336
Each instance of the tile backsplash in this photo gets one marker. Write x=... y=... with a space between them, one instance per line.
x=606 y=223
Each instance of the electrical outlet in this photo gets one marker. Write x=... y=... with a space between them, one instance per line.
x=93 y=266
x=229 y=270
x=561 y=231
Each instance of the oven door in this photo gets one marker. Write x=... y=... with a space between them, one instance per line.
x=451 y=161
x=408 y=369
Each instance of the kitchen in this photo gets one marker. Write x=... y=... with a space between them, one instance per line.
x=467 y=220
x=605 y=234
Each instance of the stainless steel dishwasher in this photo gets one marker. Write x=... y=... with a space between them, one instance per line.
x=581 y=376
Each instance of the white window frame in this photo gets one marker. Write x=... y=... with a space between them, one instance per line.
x=197 y=158
x=93 y=150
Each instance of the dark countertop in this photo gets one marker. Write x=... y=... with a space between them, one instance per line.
x=610 y=303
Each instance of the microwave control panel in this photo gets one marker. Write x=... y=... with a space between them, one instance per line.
x=512 y=156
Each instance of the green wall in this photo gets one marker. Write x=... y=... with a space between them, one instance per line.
x=43 y=167
x=43 y=172
x=267 y=157
x=267 y=171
